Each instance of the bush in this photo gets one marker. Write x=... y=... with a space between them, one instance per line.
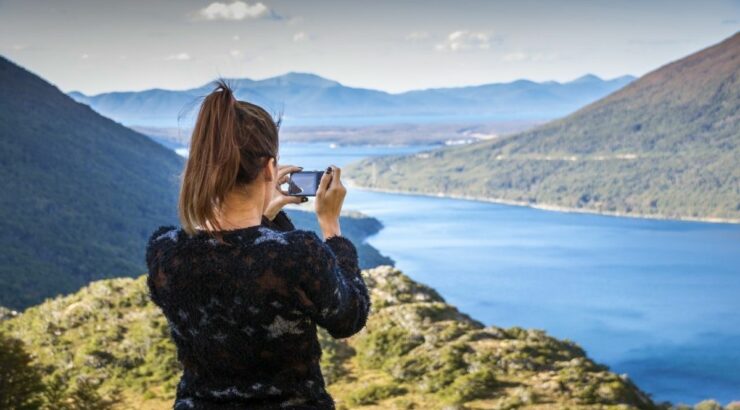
x=373 y=393
x=471 y=386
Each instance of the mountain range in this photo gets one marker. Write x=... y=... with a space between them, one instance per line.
x=667 y=146
x=308 y=99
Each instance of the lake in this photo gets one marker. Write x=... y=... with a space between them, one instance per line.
x=658 y=300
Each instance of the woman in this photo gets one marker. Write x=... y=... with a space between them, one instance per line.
x=241 y=288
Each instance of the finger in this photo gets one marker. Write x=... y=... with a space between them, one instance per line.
x=337 y=173
x=288 y=169
x=324 y=183
x=293 y=199
x=283 y=179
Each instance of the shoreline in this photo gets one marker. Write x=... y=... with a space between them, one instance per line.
x=546 y=207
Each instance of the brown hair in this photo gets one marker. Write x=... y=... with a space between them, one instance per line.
x=228 y=147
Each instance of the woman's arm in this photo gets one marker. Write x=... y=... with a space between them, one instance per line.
x=338 y=299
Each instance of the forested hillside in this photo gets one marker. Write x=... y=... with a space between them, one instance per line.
x=80 y=193
x=666 y=145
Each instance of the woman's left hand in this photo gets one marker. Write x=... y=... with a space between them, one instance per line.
x=281 y=198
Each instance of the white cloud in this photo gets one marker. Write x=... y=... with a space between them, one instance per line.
x=237 y=10
x=515 y=56
x=518 y=56
x=239 y=55
x=417 y=36
x=19 y=47
x=85 y=56
x=179 y=57
x=300 y=37
x=235 y=38
x=465 y=40
x=295 y=20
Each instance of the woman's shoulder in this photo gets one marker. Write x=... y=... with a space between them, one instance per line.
x=302 y=235
x=163 y=234
x=161 y=241
x=269 y=235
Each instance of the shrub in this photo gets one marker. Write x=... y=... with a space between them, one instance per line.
x=373 y=393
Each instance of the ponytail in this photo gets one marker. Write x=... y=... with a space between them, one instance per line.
x=229 y=139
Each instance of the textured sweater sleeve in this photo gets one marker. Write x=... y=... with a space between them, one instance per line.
x=155 y=247
x=336 y=289
x=281 y=222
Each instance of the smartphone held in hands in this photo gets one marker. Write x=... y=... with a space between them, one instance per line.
x=304 y=183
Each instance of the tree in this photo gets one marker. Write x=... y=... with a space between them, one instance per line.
x=21 y=384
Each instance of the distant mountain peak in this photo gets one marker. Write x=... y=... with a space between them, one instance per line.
x=626 y=77
x=587 y=78
x=76 y=94
x=300 y=78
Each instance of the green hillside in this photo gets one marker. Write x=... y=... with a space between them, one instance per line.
x=80 y=193
x=417 y=352
x=666 y=145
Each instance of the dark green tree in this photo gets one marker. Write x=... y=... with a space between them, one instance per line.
x=21 y=384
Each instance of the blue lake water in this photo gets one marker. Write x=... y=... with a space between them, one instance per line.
x=658 y=300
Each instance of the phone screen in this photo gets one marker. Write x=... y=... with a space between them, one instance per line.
x=304 y=183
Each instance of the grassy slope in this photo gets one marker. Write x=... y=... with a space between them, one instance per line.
x=666 y=145
x=416 y=352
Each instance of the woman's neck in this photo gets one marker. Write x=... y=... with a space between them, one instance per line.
x=240 y=209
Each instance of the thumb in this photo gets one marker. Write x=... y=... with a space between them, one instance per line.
x=324 y=182
x=291 y=199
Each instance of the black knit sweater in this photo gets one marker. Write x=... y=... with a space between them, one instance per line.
x=243 y=313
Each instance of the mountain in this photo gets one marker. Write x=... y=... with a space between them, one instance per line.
x=80 y=193
x=416 y=352
x=666 y=145
x=307 y=99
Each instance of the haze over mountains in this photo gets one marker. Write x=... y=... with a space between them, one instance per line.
x=307 y=99
x=666 y=145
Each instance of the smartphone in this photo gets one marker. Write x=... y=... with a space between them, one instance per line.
x=304 y=183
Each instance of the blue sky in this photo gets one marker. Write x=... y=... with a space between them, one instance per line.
x=102 y=45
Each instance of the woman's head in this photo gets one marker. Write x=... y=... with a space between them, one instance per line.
x=234 y=146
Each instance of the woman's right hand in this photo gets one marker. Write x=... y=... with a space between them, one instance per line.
x=329 y=198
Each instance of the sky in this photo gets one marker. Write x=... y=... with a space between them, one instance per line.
x=98 y=46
